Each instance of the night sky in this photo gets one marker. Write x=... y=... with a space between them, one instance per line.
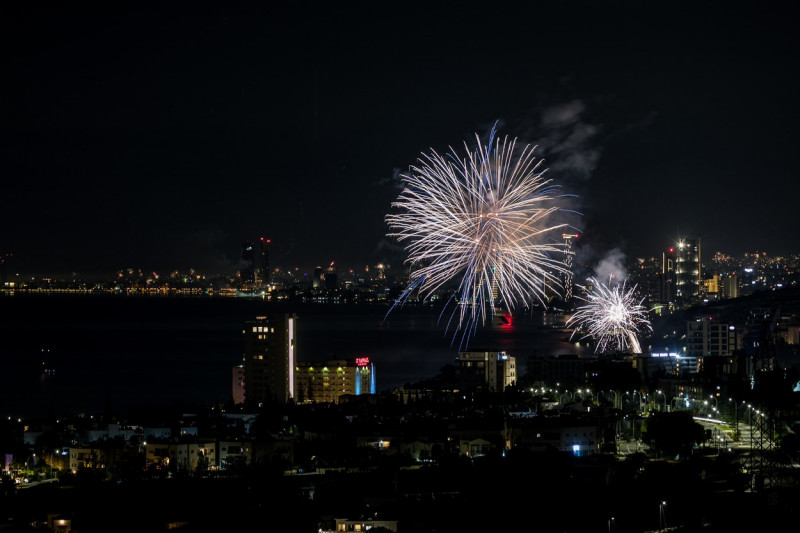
x=161 y=138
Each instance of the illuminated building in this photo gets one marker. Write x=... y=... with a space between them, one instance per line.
x=666 y=278
x=339 y=525
x=687 y=270
x=730 y=286
x=269 y=359
x=665 y=364
x=95 y=457
x=711 y=286
x=328 y=381
x=706 y=337
x=569 y=253
x=491 y=370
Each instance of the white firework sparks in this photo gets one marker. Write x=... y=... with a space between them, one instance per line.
x=612 y=317
x=480 y=220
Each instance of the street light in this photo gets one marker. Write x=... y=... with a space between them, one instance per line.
x=610 y=521
x=735 y=418
x=662 y=517
x=664 y=397
x=603 y=392
x=583 y=393
x=636 y=397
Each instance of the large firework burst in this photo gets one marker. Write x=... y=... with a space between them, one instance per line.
x=612 y=317
x=480 y=220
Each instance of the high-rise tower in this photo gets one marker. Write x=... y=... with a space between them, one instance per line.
x=318 y=278
x=568 y=255
x=247 y=270
x=264 y=267
x=270 y=351
x=331 y=281
x=687 y=270
x=730 y=286
x=666 y=278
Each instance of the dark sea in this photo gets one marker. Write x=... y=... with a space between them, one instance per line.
x=66 y=354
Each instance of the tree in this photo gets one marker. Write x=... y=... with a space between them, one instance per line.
x=674 y=433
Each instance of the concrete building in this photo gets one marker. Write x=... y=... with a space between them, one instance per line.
x=187 y=455
x=666 y=279
x=328 y=381
x=93 y=457
x=491 y=370
x=688 y=273
x=706 y=337
x=347 y=525
x=263 y=268
x=729 y=286
x=269 y=359
x=565 y=434
x=112 y=431
x=656 y=364
x=237 y=385
x=557 y=368
x=712 y=287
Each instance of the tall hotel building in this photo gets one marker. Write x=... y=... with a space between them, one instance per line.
x=328 y=381
x=269 y=359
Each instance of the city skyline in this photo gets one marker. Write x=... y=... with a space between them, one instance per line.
x=588 y=263
x=164 y=140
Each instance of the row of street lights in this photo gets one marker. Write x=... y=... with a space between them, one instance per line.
x=676 y=402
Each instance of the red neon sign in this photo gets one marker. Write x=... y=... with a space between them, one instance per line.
x=362 y=361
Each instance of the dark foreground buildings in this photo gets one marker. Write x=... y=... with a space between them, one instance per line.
x=429 y=460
